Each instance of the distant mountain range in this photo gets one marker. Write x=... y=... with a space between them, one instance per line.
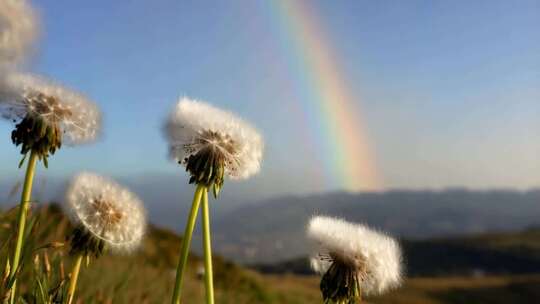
x=273 y=230
x=269 y=230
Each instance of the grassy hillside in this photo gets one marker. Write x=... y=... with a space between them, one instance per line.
x=498 y=290
x=450 y=290
x=504 y=253
x=147 y=275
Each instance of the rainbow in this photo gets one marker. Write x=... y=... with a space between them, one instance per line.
x=330 y=107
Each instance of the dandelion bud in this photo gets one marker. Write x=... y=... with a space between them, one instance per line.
x=36 y=261
x=46 y=263
x=62 y=270
x=7 y=269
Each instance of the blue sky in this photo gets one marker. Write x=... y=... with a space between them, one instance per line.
x=450 y=90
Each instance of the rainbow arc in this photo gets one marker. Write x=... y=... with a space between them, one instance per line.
x=335 y=110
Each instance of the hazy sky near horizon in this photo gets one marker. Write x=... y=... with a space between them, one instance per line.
x=449 y=91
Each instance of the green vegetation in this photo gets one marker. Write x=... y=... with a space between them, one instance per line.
x=466 y=290
x=147 y=276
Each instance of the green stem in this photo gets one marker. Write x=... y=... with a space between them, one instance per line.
x=190 y=225
x=23 y=212
x=74 y=277
x=208 y=273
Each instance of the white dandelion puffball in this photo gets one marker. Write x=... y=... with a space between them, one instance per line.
x=376 y=257
x=194 y=125
x=18 y=30
x=27 y=94
x=107 y=210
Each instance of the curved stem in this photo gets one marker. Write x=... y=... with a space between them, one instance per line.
x=190 y=225
x=208 y=273
x=23 y=212
x=74 y=277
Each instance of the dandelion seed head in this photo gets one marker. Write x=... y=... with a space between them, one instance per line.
x=24 y=94
x=107 y=210
x=18 y=31
x=193 y=126
x=374 y=256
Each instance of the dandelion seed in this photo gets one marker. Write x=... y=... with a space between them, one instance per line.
x=47 y=263
x=36 y=262
x=18 y=31
x=353 y=259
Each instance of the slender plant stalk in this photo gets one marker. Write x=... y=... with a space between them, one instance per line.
x=74 y=277
x=208 y=273
x=23 y=212
x=190 y=226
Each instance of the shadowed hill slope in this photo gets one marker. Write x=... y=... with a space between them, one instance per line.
x=492 y=254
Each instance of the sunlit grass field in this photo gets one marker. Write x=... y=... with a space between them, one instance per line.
x=146 y=276
x=493 y=289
